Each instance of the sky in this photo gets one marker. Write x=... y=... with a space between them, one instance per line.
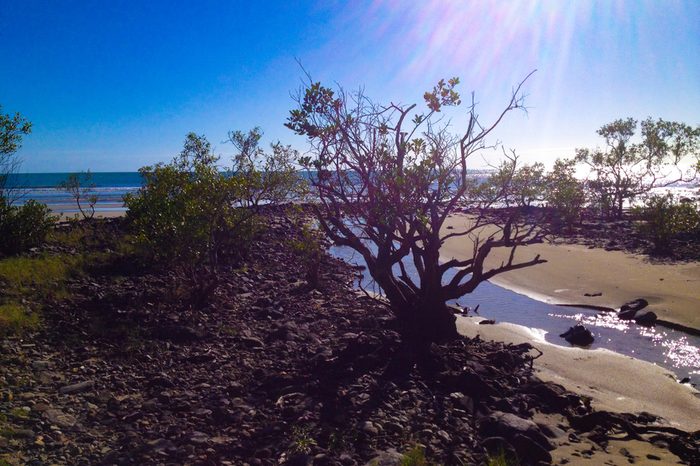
x=113 y=86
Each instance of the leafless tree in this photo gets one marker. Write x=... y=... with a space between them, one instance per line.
x=387 y=179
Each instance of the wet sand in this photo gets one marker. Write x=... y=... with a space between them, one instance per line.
x=571 y=271
x=613 y=382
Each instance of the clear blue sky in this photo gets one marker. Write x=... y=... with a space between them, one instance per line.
x=114 y=85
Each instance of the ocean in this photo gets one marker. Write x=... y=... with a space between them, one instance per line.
x=109 y=187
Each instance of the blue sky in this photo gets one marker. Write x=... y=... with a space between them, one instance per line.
x=112 y=86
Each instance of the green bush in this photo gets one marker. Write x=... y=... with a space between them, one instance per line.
x=188 y=212
x=564 y=194
x=23 y=227
x=663 y=220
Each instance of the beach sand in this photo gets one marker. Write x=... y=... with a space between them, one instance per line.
x=70 y=211
x=571 y=271
x=613 y=382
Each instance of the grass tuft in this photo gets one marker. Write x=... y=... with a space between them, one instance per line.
x=16 y=319
x=414 y=457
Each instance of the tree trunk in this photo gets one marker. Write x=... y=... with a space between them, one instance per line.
x=428 y=323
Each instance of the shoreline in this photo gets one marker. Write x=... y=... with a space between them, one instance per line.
x=613 y=382
x=609 y=278
x=551 y=300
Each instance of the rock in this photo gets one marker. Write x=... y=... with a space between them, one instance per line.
x=76 y=387
x=41 y=365
x=593 y=295
x=530 y=451
x=499 y=446
x=161 y=445
x=628 y=314
x=646 y=319
x=636 y=305
x=487 y=322
x=58 y=417
x=508 y=426
x=551 y=431
x=252 y=342
x=389 y=457
x=369 y=428
x=578 y=335
x=198 y=438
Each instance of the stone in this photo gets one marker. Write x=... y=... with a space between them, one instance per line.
x=627 y=314
x=389 y=457
x=58 y=417
x=646 y=319
x=76 y=387
x=508 y=426
x=578 y=335
x=636 y=305
x=41 y=365
x=369 y=428
x=252 y=342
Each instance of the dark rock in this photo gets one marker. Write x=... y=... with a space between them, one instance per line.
x=593 y=295
x=252 y=342
x=628 y=314
x=496 y=446
x=646 y=319
x=76 y=387
x=636 y=305
x=578 y=335
x=389 y=457
x=508 y=426
x=487 y=322
x=529 y=451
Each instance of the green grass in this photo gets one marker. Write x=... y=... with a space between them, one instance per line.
x=26 y=280
x=16 y=319
x=414 y=457
x=501 y=459
x=20 y=274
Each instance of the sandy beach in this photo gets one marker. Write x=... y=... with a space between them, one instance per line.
x=613 y=382
x=572 y=271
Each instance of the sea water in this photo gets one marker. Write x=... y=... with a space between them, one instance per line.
x=109 y=187
x=671 y=349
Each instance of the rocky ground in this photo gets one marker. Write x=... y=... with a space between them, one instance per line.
x=131 y=369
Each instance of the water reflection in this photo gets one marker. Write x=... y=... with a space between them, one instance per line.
x=668 y=348
x=677 y=350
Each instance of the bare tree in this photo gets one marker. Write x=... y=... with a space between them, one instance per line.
x=81 y=188
x=387 y=180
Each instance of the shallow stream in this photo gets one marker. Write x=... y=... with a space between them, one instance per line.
x=672 y=349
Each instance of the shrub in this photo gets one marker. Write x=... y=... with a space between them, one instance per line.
x=187 y=211
x=565 y=194
x=309 y=249
x=23 y=227
x=663 y=219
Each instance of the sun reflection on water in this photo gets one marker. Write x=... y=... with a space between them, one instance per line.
x=677 y=350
